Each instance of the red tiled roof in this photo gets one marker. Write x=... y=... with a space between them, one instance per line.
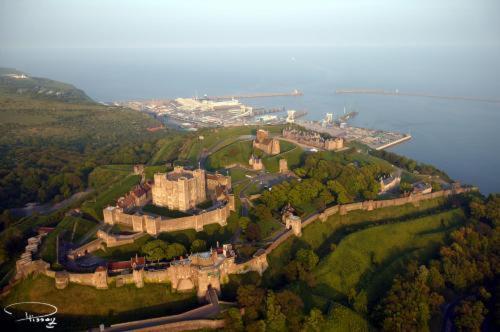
x=45 y=229
x=119 y=265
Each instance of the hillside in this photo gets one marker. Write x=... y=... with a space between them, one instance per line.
x=15 y=82
x=52 y=135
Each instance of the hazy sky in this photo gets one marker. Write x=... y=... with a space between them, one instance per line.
x=147 y=23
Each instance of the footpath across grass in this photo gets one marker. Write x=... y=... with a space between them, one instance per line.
x=82 y=307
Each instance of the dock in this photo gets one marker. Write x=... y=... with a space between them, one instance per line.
x=413 y=94
x=294 y=93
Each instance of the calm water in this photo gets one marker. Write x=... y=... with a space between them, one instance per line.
x=459 y=137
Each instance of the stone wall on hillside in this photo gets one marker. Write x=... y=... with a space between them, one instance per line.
x=369 y=206
x=156 y=224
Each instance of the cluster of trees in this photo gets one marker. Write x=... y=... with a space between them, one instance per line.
x=300 y=268
x=270 y=311
x=250 y=229
x=325 y=181
x=157 y=250
x=410 y=164
x=465 y=277
x=51 y=159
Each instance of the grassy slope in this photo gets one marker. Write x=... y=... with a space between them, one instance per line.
x=82 y=307
x=240 y=152
x=94 y=207
x=319 y=236
x=368 y=258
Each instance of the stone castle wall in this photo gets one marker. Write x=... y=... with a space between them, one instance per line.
x=155 y=224
x=115 y=240
x=368 y=206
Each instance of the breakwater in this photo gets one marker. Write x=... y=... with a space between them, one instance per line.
x=413 y=94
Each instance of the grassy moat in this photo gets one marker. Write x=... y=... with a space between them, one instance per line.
x=82 y=307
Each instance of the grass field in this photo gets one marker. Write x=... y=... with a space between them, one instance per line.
x=293 y=155
x=240 y=151
x=370 y=258
x=320 y=235
x=168 y=151
x=95 y=206
x=82 y=307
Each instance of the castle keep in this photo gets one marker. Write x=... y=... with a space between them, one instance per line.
x=180 y=189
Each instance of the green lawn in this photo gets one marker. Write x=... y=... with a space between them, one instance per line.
x=269 y=227
x=370 y=258
x=293 y=156
x=238 y=152
x=82 y=307
x=238 y=174
x=95 y=206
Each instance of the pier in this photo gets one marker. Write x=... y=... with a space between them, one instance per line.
x=412 y=94
x=294 y=93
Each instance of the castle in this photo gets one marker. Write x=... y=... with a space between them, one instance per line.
x=314 y=139
x=263 y=142
x=180 y=189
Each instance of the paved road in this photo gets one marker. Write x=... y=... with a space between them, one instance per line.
x=203 y=312
x=49 y=208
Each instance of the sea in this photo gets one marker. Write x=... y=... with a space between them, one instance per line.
x=460 y=137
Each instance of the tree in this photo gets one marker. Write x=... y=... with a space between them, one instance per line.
x=155 y=250
x=251 y=298
x=253 y=232
x=314 y=321
x=243 y=223
x=293 y=305
x=175 y=250
x=275 y=319
x=233 y=321
x=307 y=258
x=198 y=245
x=470 y=315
